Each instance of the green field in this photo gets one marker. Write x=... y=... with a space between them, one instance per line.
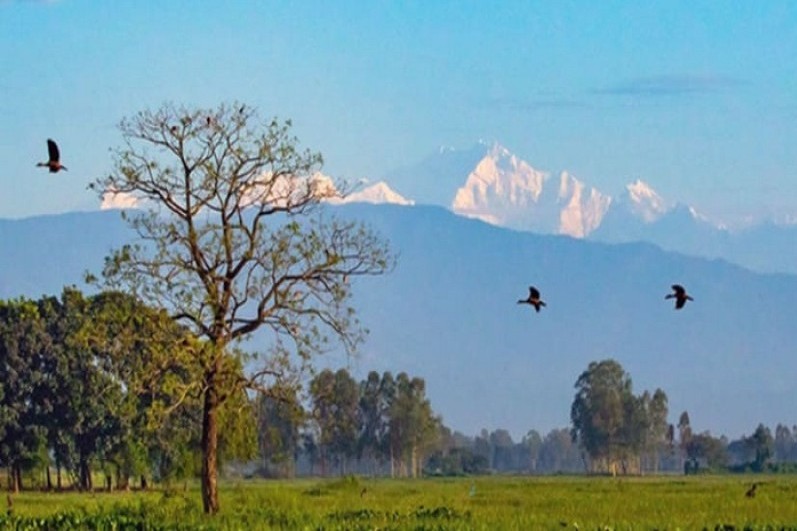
x=705 y=502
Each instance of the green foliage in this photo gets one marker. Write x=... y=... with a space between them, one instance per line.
x=88 y=380
x=612 y=424
x=232 y=241
x=698 y=502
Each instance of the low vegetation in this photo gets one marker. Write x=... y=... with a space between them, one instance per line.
x=496 y=502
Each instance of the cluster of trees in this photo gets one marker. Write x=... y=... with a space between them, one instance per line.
x=381 y=425
x=96 y=383
x=619 y=431
x=760 y=451
x=496 y=452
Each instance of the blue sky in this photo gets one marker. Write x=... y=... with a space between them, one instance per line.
x=697 y=98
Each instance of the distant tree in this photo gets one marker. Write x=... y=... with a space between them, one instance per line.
x=336 y=399
x=704 y=447
x=529 y=451
x=481 y=447
x=502 y=450
x=413 y=426
x=762 y=445
x=279 y=421
x=684 y=429
x=231 y=241
x=599 y=412
x=559 y=453
x=684 y=434
x=657 y=438
x=784 y=444
x=374 y=417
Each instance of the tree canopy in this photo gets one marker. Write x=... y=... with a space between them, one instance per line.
x=232 y=239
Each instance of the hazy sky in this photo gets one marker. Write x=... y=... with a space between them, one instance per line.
x=697 y=98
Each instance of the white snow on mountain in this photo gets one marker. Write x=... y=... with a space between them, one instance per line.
x=582 y=212
x=112 y=199
x=507 y=191
x=500 y=189
x=644 y=202
x=379 y=192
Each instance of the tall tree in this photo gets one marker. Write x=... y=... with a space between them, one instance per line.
x=502 y=445
x=684 y=434
x=656 y=439
x=784 y=444
x=413 y=425
x=599 y=411
x=278 y=423
x=374 y=410
x=22 y=342
x=529 y=450
x=762 y=445
x=336 y=411
x=231 y=242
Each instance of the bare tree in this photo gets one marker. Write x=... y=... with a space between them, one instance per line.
x=232 y=239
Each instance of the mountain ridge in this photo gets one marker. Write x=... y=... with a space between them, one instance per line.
x=448 y=313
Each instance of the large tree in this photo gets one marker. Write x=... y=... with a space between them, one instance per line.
x=23 y=339
x=231 y=241
x=599 y=411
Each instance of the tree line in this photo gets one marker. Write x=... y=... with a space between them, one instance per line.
x=375 y=428
x=106 y=385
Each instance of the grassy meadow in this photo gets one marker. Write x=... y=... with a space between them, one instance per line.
x=695 y=502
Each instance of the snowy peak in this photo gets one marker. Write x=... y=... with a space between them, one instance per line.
x=377 y=193
x=644 y=202
x=505 y=190
x=490 y=183
x=582 y=212
x=499 y=188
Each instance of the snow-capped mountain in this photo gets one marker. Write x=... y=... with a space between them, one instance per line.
x=377 y=193
x=643 y=201
x=490 y=183
x=505 y=190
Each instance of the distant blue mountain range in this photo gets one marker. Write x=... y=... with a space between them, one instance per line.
x=448 y=313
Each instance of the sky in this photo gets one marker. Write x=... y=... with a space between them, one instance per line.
x=697 y=98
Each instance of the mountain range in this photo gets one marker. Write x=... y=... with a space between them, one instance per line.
x=449 y=313
x=490 y=183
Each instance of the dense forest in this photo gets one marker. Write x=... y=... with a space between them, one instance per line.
x=104 y=386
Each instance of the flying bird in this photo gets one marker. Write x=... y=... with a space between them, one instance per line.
x=533 y=299
x=54 y=162
x=680 y=296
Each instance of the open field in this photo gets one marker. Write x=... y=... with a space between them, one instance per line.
x=705 y=502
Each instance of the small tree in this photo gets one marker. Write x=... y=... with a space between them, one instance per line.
x=231 y=240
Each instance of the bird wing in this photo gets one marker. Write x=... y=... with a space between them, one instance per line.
x=678 y=289
x=52 y=149
x=534 y=293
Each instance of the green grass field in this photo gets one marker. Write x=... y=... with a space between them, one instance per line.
x=705 y=502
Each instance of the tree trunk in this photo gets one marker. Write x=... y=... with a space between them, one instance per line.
x=17 y=472
x=49 y=479
x=210 y=436
x=58 y=482
x=85 y=475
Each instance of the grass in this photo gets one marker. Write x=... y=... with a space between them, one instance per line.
x=705 y=502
